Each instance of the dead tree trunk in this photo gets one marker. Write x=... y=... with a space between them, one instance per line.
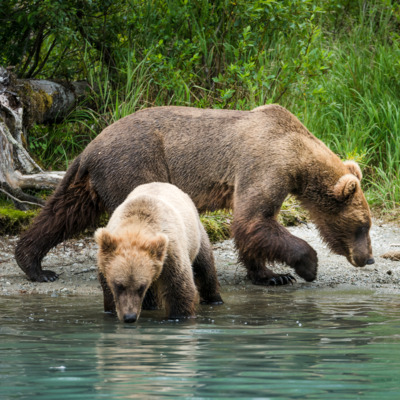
x=22 y=103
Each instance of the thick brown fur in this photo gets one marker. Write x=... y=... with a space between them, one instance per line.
x=73 y=207
x=247 y=160
x=152 y=241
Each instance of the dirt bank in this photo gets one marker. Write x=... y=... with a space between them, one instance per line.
x=75 y=262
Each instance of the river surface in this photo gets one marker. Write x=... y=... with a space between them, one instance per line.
x=261 y=344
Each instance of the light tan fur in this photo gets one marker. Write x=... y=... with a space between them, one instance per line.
x=151 y=240
x=354 y=168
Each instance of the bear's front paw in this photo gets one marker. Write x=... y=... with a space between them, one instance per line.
x=266 y=277
x=44 y=276
x=283 y=279
x=307 y=264
x=150 y=300
x=213 y=300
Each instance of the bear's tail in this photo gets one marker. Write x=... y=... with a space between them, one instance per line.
x=73 y=207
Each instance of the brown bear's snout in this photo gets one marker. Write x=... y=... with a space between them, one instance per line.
x=361 y=252
x=362 y=261
x=130 y=317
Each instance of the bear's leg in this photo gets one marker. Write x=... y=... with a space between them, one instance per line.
x=150 y=301
x=109 y=304
x=178 y=290
x=71 y=209
x=260 y=239
x=205 y=274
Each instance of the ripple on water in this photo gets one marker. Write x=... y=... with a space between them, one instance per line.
x=292 y=344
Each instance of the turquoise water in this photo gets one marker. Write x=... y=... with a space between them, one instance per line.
x=285 y=343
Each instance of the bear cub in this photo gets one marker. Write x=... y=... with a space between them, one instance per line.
x=155 y=240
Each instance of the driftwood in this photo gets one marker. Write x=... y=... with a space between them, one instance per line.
x=22 y=103
x=392 y=255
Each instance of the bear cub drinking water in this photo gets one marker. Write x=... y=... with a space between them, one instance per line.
x=155 y=239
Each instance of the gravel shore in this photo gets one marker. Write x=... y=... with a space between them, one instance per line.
x=75 y=262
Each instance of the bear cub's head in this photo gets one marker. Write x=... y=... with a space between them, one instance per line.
x=130 y=262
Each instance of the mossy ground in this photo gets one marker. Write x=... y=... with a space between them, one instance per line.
x=13 y=222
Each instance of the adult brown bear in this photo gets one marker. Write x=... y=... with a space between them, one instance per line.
x=247 y=160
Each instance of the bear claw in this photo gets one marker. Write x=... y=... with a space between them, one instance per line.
x=282 y=280
x=45 y=276
x=275 y=280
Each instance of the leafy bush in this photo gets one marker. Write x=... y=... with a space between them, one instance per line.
x=333 y=63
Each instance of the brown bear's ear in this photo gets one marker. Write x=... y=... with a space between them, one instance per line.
x=353 y=168
x=157 y=247
x=105 y=240
x=345 y=187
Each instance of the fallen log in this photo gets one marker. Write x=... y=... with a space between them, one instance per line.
x=23 y=103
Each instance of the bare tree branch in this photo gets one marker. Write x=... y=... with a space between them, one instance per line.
x=23 y=102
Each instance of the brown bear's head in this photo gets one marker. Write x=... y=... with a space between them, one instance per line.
x=344 y=222
x=130 y=263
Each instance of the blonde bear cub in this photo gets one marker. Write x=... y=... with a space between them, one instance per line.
x=155 y=239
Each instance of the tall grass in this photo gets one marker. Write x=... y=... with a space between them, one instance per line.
x=134 y=91
x=358 y=113
x=338 y=75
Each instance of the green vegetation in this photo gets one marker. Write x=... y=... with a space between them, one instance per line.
x=14 y=221
x=292 y=213
x=333 y=63
x=217 y=224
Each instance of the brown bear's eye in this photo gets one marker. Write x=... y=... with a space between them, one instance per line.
x=119 y=287
x=141 y=290
x=362 y=231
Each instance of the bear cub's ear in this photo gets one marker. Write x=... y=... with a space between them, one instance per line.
x=345 y=187
x=353 y=168
x=105 y=240
x=157 y=247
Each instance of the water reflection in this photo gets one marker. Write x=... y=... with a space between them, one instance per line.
x=260 y=344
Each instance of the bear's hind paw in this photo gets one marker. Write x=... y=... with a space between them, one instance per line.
x=44 y=276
